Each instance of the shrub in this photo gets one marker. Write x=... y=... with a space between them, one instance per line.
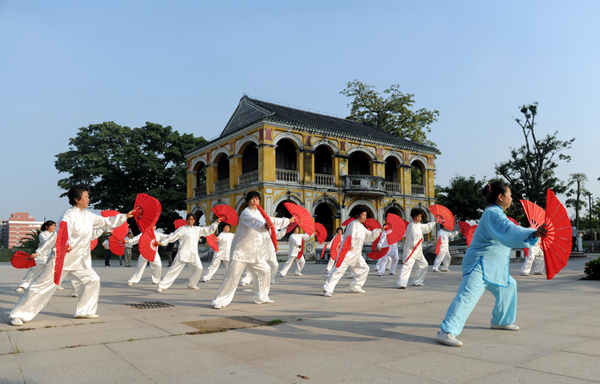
x=592 y=269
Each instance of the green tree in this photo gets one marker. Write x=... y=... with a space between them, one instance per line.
x=463 y=197
x=30 y=242
x=530 y=171
x=119 y=162
x=577 y=184
x=392 y=114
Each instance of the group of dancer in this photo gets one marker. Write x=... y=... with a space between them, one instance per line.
x=250 y=249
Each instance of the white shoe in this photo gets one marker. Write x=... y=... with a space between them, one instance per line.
x=20 y=289
x=129 y=283
x=435 y=270
x=74 y=294
x=298 y=274
x=400 y=287
x=392 y=273
x=155 y=282
x=281 y=274
x=327 y=271
x=192 y=287
x=445 y=270
x=243 y=284
x=379 y=274
x=417 y=284
x=509 y=327
x=538 y=273
x=268 y=301
x=327 y=294
x=350 y=276
x=524 y=274
x=60 y=287
x=447 y=339
x=16 y=321
x=91 y=316
x=159 y=289
x=218 y=306
x=204 y=280
x=273 y=281
x=358 y=290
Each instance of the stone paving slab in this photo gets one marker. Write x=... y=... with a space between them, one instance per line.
x=381 y=336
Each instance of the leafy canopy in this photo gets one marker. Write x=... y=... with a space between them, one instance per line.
x=463 y=197
x=119 y=162
x=392 y=114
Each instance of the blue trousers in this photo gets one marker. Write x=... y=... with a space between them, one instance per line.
x=471 y=288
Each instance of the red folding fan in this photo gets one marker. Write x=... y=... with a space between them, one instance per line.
x=226 y=214
x=290 y=228
x=323 y=252
x=535 y=214
x=62 y=243
x=212 y=242
x=146 y=211
x=22 y=260
x=116 y=242
x=375 y=254
x=348 y=221
x=335 y=247
x=443 y=216
x=93 y=244
x=148 y=245
x=303 y=218
x=301 y=251
x=121 y=230
x=558 y=243
x=272 y=230
x=513 y=220
x=320 y=232
x=464 y=227
x=343 y=251
x=398 y=227
x=372 y=224
x=179 y=223
x=438 y=245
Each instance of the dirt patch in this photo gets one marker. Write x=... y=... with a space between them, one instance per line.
x=223 y=324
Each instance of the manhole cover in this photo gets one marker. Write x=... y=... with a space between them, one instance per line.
x=223 y=324
x=150 y=305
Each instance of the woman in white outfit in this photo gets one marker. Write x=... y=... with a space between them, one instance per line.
x=295 y=244
x=155 y=266
x=357 y=233
x=224 y=242
x=77 y=262
x=413 y=250
x=188 y=237
x=391 y=255
x=247 y=252
x=535 y=255
x=443 y=258
x=46 y=231
x=270 y=256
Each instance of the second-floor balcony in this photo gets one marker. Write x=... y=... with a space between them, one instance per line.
x=417 y=189
x=248 y=178
x=200 y=191
x=287 y=176
x=323 y=180
x=364 y=184
x=393 y=188
x=222 y=185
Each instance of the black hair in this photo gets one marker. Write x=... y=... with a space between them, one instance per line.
x=46 y=225
x=76 y=192
x=250 y=195
x=416 y=212
x=356 y=211
x=339 y=229
x=190 y=215
x=492 y=191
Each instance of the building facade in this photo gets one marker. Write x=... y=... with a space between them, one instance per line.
x=18 y=225
x=326 y=164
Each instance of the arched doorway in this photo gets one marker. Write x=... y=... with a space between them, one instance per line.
x=325 y=214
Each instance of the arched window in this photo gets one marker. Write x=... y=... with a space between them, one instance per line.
x=286 y=156
x=358 y=164
x=391 y=169
x=250 y=158
x=324 y=214
x=223 y=168
x=323 y=160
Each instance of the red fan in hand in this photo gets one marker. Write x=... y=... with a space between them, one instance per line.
x=22 y=260
x=62 y=243
x=146 y=211
x=375 y=254
x=348 y=221
x=93 y=244
x=226 y=214
x=558 y=243
x=272 y=230
x=372 y=224
x=323 y=252
x=301 y=251
x=116 y=242
x=467 y=230
x=320 y=232
x=335 y=247
x=398 y=227
x=212 y=242
x=290 y=228
x=148 y=245
x=179 y=223
x=438 y=246
x=535 y=214
x=443 y=216
x=302 y=216
x=343 y=251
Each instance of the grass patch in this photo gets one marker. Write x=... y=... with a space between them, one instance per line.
x=275 y=322
x=5 y=254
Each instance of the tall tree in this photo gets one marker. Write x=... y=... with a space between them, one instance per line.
x=463 y=197
x=392 y=114
x=577 y=184
x=530 y=171
x=119 y=162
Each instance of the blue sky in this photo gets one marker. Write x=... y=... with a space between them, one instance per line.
x=68 y=64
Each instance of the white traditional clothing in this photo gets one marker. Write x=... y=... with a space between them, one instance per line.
x=40 y=261
x=391 y=255
x=77 y=266
x=413 y=253
x=295 y=245
x=224 y=242
x=271 y=254
x=187 y=254
x=443 y=258
x=535 y=255
x=127 y=251
x=155 y=266
x=331 y=262
x=359 y=235
x=247 y=252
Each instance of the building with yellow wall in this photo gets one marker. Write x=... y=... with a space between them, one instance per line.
x=324 y=163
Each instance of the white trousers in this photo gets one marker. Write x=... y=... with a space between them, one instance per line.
x=155 y=266
x=288 y=263
x=212 y=268
x=176 y=268
x=418 y=259
x=330 y=265
x=361 y=271
x=85 y=281
x=392 y=259
x=444 y=259
x=260 y=272
x=31 y=275
x=539 y=268
x=274 y=264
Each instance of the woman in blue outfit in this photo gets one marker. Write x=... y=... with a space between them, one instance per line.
x=485 y=266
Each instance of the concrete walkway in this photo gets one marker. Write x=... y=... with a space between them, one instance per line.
x=385 y=335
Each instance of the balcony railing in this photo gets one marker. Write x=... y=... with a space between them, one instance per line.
x=365 y=184
x=222 y=185
x=417 y=189
x=287 y=176
x=324 y=180
x=392 y=187
x=248 y=178
x=200 y=191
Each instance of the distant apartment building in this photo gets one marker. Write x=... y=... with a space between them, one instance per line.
x=18 y=225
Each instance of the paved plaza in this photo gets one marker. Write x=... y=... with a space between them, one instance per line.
x=383 y=336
